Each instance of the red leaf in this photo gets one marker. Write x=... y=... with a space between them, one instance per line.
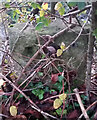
x=54 y=78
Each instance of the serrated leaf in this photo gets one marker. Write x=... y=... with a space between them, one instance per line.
x=58 y=6
x=1 y=82
x=62 y=46
x=59 y=52
x=39 y=26
x=41 y=13
x=61 y=11
x=45 y=6
x=13 y=110
x=57 y=103
x=63 y=96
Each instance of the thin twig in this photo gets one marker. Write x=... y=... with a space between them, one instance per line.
x=87 y=109
x=33 y=105
x=81 y=104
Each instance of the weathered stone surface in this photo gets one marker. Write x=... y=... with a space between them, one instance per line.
x=75 y=56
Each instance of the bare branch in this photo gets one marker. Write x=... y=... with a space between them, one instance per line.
x=81 y=104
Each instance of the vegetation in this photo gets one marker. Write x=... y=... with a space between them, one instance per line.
x=45 y=87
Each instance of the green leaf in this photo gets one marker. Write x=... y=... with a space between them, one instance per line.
x=60 y=78
x=7 y=5
x=95 y=33
x=43 y=56
x=20 y=96
x=72 y=4
x=18 y=11
x=52 y=90
x=40 y=73
x=38 y=92
x=35 y=5
x=58 y=85
x=60 y=69
x=39 y=26
x=46 y=21
x=59 y=111
x=62 y=11
x=14 y=13
x=81 y=5
x=46 y=89
x=41 y=94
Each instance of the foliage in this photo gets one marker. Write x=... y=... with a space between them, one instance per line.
x=49 y=96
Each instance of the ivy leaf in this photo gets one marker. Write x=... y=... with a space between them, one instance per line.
x=41 y=94
x=58 y=6
x=45 y=6
x=57 y=103
x=13 y=110
x=61 y=11
x=63 y=96
x=59 y=111
x=60 y=78
x=39 y=26
x=62 y=46
x=41 y=13
x=59 y=52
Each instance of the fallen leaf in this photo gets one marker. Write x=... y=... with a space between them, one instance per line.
x=62 y=46
x=59 y=52
x=57 y=103
x=13 y=110
x=63 y=96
